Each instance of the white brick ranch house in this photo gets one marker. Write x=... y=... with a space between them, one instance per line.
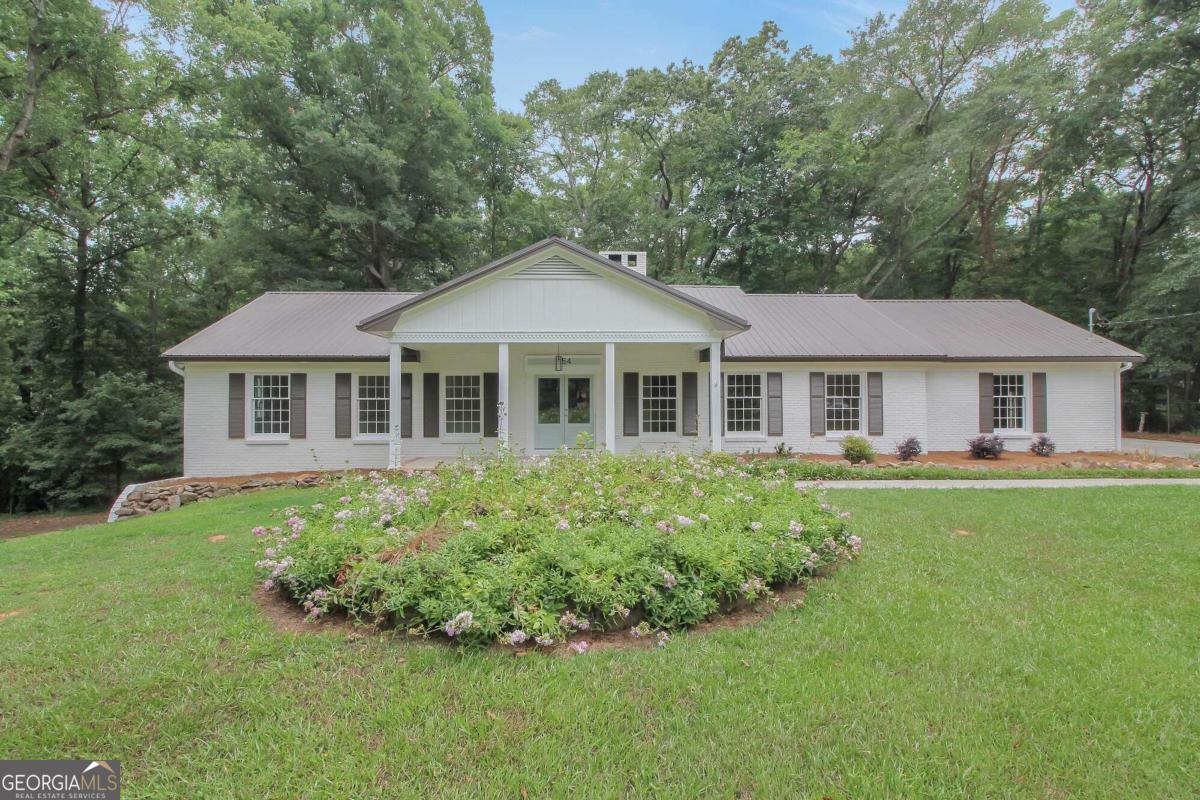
x=555 y=340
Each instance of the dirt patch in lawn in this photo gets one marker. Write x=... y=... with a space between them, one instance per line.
x=287 y=617
x=25 y=524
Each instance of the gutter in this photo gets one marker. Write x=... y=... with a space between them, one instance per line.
x=178 y=370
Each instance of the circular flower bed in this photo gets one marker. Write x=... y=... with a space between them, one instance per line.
x=533 y=552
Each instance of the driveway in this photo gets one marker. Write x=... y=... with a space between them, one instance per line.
x=1159 y=447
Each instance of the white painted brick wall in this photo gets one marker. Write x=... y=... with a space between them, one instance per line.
x=938 y=403
x=1081 y=404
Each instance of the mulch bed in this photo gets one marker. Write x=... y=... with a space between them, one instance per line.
x=288 y=617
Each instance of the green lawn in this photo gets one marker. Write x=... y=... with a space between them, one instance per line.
x=1052 y=652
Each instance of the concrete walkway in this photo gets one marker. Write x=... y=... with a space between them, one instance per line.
x=1159 y=447
x=1047 y=483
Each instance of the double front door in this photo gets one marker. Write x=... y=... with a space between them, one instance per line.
x=564 y=410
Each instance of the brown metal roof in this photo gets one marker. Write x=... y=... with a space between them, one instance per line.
x=805 y=327
x=812 y=327
x=294 y=326
x=1000 y=330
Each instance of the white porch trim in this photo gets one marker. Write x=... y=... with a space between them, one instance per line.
x=502 y=392
x=610 y=396
x=395 y=407
x=548 y=337
x=714 y=393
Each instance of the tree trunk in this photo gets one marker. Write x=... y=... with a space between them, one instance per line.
x=79 y=311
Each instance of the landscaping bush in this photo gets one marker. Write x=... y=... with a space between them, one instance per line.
x=857 y=450
x=985 y=445
x=513 y=551
x=909 y=448
x=1042 y=445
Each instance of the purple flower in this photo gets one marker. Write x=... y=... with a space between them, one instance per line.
x=259 y=531
x=579 y=648
x=517 y=637
x=664 y=526
x=704 y=517
x=663 y=637
x=795 y=528
x=669 y=579
x=562 y=525
x=461 y=622
x=684 y=521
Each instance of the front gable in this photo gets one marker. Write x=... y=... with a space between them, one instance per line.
x=553 y=292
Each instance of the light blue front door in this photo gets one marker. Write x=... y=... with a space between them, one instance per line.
x=564 y=410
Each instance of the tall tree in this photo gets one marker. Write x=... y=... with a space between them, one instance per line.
x=347 y=133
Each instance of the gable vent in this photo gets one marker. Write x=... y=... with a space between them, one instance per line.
x=555 y=267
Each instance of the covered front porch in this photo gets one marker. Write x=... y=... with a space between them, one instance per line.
x=534 y=397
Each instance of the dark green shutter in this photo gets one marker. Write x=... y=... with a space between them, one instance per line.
x=986 y=420
x=1039 y=402
x=816 y=403
x=774 y=404
x=629 y=397
x=431 y=420
x=691 y=405
x=491 y=404
x=405 y=405
x=875 y=403
x=237 y=405
x=343 y=399
x=298 y=405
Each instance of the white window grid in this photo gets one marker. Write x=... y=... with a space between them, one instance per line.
x=843 y=402
x=660 y=395
x=270 y=405
x=743 y=403
x=1008 y=402
x=374 y=405
x=464 y=404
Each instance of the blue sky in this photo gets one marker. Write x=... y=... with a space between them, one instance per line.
x=567 y=39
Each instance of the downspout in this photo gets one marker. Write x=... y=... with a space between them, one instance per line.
x=178 y=370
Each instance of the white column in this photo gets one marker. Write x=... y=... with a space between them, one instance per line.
x=610 y=397
x=714 y=393
x=394 y=405
x=502 y=391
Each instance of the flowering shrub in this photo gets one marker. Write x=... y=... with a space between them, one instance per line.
x=523 y=552
x=908 y=449
x=1042 y=445
x=985 y=445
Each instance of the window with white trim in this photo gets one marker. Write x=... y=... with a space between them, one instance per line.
x=743 y=402
x=271 y=405
x=843 y=402
x=373 y=405
x=1008 y=402
x=464 y=404
x=660 y=396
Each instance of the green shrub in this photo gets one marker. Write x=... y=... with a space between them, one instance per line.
x=857 y=450
x=506 y=550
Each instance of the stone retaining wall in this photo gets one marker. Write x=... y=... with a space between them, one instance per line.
x=140 y=499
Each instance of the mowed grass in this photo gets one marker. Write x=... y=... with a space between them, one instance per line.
x=1026 y=643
